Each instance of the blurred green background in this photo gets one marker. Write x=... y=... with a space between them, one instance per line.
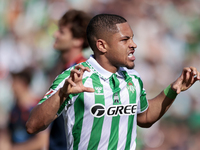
x=167 y=33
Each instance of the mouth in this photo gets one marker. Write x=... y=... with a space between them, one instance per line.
x=131 y=56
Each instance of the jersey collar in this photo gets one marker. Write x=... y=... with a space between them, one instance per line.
x=94 y=65
x=103 y=73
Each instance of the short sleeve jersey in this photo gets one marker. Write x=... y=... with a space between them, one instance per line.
x=106 y=118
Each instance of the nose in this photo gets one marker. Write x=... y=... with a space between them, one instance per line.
x=132 y=44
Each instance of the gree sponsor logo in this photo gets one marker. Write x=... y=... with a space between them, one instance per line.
x=99 y=110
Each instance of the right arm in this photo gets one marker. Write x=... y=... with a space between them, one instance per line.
x=42 y=115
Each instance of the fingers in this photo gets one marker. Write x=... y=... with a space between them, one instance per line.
x=78 y=71
x=75 y=74
x=74 y=83
x=193 y=71
x=88 y=89
x=196 y=74
x=190 y=75
x=81 y=68
x=69 y=80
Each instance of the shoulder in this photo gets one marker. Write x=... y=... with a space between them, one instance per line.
x=66 y=73
x=132 y=74
x=61 y=77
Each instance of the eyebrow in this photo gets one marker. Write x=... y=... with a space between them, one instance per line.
x=128 y=37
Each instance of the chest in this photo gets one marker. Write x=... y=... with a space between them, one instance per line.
x=108 y=99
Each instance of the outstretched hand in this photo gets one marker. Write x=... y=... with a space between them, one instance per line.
x=188 y=77
x=74 y=84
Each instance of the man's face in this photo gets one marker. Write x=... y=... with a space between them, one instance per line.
x=63 y=38
x=121 y=47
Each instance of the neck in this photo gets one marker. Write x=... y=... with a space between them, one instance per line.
x=69 y=56
x=105 y=63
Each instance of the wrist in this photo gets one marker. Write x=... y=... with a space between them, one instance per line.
x=62 y=93
x=170 y=93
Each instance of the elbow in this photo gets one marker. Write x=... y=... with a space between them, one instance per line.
x=33 y=127
x=29 y=128
x=146 y=125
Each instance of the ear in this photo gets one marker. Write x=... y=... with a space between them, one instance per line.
x=101 y=45
x=78 y=42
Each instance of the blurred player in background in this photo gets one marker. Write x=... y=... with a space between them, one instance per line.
x=15 y=136
x=70 y=40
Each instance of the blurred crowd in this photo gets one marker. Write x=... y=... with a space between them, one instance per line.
x=167 y=34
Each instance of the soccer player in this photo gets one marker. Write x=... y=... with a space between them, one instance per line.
x=103 y=99
x=70 y=40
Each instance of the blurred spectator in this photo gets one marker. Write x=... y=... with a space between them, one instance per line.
x=70 y=40
x=15 y=137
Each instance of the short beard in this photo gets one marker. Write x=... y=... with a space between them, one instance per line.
x=130 y=67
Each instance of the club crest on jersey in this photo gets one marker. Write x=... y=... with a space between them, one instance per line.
x=131 y=87
x=98 y=90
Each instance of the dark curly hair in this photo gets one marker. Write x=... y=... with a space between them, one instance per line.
x=78 y=21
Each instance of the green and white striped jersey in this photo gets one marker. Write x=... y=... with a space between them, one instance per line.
x=107 y=118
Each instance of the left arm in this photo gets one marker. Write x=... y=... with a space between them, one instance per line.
x=161 y=103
